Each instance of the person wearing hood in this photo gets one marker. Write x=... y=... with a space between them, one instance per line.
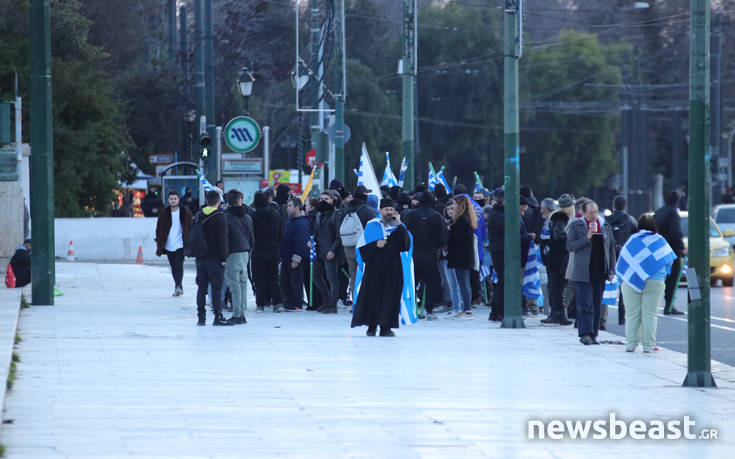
x=336 y=185
x=211 y=266
x=268 y=231
x=351 y=228
x=430 y=235
x=442 y=197
x=404 y=203
x=21 y=264
x=294 y=251
x=556 y=257
x=283 y=192
x=373 y=202
x=241 y=240
x=151 y=204
x=326 y=236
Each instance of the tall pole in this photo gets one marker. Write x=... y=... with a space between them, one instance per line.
x=213 y=166
x=316 y=67
x=199 y=58
x=171 y=16
x=716 y=112
x=699 y=372
x=338 y=168
x=266 y=151
x=184 y=44
x=409 y=81
x=512 y=318
x=43 y=269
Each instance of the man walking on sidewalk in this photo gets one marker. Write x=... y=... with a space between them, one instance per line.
x=294 y=251
x=668 y=223
x=210 y=240
x=240 y=229
x=172 y=229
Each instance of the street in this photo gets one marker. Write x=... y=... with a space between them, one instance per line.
x=118 y=368
x=673 y=330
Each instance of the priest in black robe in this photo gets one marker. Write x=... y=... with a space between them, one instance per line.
x=379 y=292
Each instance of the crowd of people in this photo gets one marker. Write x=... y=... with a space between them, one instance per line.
x=348 y=246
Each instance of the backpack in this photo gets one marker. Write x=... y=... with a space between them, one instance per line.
x=351 y=228
x=622 y=230
x=196 y=243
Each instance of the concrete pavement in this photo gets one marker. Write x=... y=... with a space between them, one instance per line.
x=118 y=369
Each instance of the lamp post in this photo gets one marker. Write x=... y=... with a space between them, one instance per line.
x=245 y=85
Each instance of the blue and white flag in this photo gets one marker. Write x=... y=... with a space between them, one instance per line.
x=389 y=178
x=546 y=231
x=532 y=276
x=610 y=295
x=641 y=257
x=376 y=231
x=366 y=174
x=443 y=180
x=433 y=178
x=402 y=172
x=312 y=250
x=208 y=186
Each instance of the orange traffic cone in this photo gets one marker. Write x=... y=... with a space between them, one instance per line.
x=139 y=259
x=70 y=252
x=10 y=278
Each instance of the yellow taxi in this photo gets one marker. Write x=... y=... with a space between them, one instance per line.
x=721 y=258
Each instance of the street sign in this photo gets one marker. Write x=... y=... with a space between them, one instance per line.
x=332 y=130
x=310 y=157
x=242 y=166
x=242 y=134
x=160 y=159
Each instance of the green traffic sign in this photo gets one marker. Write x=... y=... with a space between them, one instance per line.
x=242 y=134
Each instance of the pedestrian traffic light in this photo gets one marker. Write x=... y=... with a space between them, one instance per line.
x=204 y=142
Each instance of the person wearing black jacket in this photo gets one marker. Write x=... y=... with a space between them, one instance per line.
x=668 y=223
x=210 y=268
x=556 y=259
x=623 y=226
x=268 y=231
x=496 y=244
x=461 y=250
x=429 y=237
x=294 y=251
x=240 y=227
x=326 y=236
x=21 y=264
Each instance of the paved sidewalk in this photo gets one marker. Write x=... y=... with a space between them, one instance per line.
x=118 y=368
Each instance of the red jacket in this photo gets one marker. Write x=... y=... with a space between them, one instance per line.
x=163 y=226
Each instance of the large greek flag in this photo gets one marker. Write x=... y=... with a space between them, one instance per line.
x=532 y=276
x=443 y=180
x=641 y=257
x=366 y=174
x=402 y=173
x=433 y=179
x=376 y=231
x=389 y=178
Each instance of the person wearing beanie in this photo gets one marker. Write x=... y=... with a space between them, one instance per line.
x=459 y=189
x=421 y=187
x=430 y=235
x=393 y=193
x=380 y=292
x=403 y=202
x=556 y=256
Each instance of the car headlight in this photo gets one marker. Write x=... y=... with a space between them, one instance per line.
x=723 y=252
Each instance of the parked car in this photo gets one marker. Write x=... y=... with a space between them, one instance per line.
x=722 y=256
x=724 y=216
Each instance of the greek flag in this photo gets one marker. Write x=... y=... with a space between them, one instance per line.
x=610 y=295
x=389 y=178
x=545 y=231
x=402 y=173
x=443 y=180
x=208 y=186
x=433 y=178
x=312 y=250
x=375 y=231
x=642 y=256
x=532 y=276
x=366 y=174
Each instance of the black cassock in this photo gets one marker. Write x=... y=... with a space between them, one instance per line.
x=379 y=299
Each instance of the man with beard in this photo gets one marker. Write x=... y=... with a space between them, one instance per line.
x=379 y=293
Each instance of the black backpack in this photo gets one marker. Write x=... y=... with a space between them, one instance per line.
x=196 y=243
x=622 y=229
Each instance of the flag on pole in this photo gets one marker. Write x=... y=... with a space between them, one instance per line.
x=443 y=180
x=309 y=184
x=389 y=177
x=532 y=277
x=402 y=173
x=478 y=184
x=208 y=186
x=366 y=174
x=433 y=179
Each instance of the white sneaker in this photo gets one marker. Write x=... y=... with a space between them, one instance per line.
x=460 y=315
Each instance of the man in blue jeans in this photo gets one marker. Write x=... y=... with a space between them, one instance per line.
x=591 y=248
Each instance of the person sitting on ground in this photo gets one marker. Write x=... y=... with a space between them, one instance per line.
x=21 y=264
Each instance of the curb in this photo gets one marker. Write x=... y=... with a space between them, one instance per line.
x=9 y=318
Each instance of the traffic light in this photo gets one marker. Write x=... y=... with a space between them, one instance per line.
x=204 y=143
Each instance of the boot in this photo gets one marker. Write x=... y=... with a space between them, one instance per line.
x=386 y=332
x=563 y=319
x=371 y=331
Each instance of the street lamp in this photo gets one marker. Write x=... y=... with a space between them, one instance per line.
x=245 y=85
